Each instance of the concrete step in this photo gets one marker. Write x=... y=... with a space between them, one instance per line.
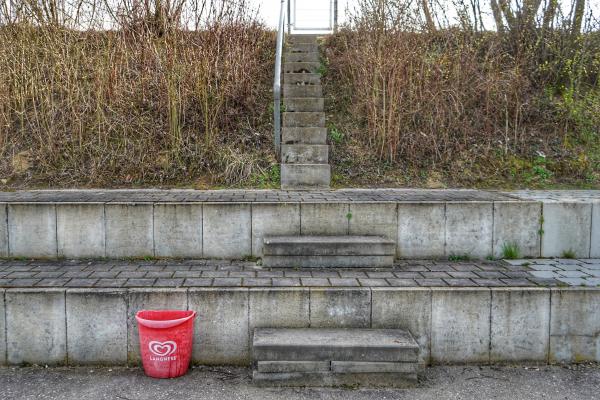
x=307 y=79
x=302 y=57
x=305 y=176
x=304 y=119
x=328 y=251
x=304 y=104
x=304 y=154
x=302 y=91
x=328 y=245
x=303 y=48
x=303 y=39
x=301 y=67
x=330 y=357
x=311 y=135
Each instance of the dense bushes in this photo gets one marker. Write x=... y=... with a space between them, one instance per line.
x=465 y=106
x=144 y=103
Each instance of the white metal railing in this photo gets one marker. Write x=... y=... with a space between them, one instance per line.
x=277 y=78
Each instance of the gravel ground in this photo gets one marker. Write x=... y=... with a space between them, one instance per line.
x=457 y=382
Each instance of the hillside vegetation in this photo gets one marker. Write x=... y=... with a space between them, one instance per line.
x=123 y=93
x=420 y=103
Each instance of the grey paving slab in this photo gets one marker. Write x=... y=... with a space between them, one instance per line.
x=260 y=196
x=205 y=273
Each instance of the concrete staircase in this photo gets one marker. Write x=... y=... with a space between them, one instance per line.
x=328 y=251
x=334 y=357
x=304 y=150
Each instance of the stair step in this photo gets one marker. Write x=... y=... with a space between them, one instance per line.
x=319 y=344
x=331 y=357
x=302 y=57
x=304 y=154
x=304 y=119
x=302 y=90
x=303 y=48
x=328 y=252
x=305 y=176
x=303 y=39
x=304 y=104
x=311 y=135
x=328 y=246
x=308 y=79
x=301 y=67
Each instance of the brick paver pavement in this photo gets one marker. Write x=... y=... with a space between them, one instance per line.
x=220 y=273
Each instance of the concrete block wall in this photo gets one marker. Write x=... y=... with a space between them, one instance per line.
x=468 y=325
x=236 y=230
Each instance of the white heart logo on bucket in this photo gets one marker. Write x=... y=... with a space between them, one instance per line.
x=162 y=349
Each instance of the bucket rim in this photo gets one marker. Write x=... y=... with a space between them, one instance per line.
x=164 y=324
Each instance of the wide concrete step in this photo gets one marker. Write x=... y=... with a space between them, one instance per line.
x=298 y=90
x=304 y=154
x=303 y=39
x=307 y=79
x=303 y=47
x=302 y=57
x=328 y=245
x=304 y=119
x=304 y=104
x=310 y=135
x=331 y=357
x=301 y=67
x=328 y=252
x=305 y=176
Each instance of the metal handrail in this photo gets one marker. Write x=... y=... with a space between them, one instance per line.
x=277 y=78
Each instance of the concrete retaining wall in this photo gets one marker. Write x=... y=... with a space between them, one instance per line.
x=235 y=230
x=471 y=325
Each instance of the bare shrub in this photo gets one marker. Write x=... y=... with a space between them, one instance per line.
x=459 y=98
x=147 y=96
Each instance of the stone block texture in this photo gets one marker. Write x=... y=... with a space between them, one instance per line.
x=149 y=299
x=375 y=219
x=178 y=230
x=324 y=218
x=595 y=237
x=469 y=229
x=566 y=227
x=421 y=230
x=2 y=329
x=575 y=325
x=221 y=334
x=520 y=324
x=517 y=223
x=273 y=220
x=32 y=230
x=80 y=230
x=340 y=308
x=279 y=308
x=35 y=326
x=129 y=230
x=408 y=309
x=3 y=231
x=460 y=325
x=227 y=230
x=97 y=326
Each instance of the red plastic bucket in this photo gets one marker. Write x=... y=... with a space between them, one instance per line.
x=166 y=341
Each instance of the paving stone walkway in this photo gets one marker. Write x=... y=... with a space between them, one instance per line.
x=581 y=272
x=219 y=273
x=183 y=195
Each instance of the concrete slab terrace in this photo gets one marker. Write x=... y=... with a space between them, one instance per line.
x=258 y=196
x=481 y=325
x=248 y=274
x=232 y=224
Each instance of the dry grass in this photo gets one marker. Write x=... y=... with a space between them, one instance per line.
x=135 y=105
x=459 y=107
